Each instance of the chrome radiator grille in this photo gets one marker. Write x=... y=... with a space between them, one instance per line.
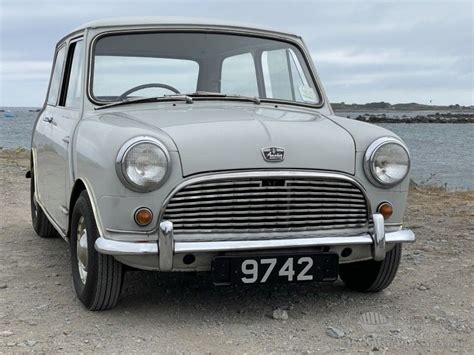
x=253 y=205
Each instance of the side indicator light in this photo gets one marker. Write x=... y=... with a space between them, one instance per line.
x=143 y=216
x=385 y=209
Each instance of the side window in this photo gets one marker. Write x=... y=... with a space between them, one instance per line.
x=284 y=78
x=56 y=77
x=238 y=76
x=73 y=78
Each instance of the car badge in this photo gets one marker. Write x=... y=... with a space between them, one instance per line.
x=273 y=154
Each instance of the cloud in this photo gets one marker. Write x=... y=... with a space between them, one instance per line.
x=347 y=57
x=363 y=50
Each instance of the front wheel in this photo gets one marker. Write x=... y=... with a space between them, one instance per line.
x=97 y=277
x=372 y=276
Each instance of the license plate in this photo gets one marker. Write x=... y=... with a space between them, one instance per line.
x=228 y=270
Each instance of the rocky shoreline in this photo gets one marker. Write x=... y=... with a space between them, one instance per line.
x=430 y=118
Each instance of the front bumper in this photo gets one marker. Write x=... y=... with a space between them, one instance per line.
x=167 y=247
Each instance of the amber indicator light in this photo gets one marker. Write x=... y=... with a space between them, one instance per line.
x=143 y=216
x=385 y=209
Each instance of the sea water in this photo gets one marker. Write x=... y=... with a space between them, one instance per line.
x=442 y=154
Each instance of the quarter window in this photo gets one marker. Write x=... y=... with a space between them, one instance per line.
x=284 y=77
x=74 y=76
x=56 y=77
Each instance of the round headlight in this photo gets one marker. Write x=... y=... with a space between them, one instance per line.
x=386 y=162
x=142 y=164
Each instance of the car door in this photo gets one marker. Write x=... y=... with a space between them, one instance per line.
x=62 y=120
x=44 y=142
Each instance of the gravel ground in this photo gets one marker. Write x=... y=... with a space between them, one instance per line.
x=429 y=307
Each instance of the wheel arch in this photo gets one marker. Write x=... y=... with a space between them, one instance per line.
x=81 y=185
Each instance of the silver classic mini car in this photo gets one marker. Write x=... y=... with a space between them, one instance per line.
x=178 y=145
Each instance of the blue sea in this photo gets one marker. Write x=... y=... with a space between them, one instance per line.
x=442 y=154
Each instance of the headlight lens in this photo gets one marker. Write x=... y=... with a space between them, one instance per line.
x=387 y=162
x=142 y=164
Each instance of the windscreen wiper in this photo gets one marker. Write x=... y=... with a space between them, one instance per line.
x=188 y=99
x=198 y=94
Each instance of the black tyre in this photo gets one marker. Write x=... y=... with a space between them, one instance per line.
x=40 y=222
x=372 y=276
x=97 y=277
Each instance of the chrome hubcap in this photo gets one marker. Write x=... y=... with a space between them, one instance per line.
x=82 y=255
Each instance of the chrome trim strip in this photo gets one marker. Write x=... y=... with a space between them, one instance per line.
x=404 y=236
x=347 y=217
x=166 y=246
x=235 y=245
x=378 y=246
x=401 y=236
x=236 y=190
x=307 y=195
x=112 y=247
x=64 y=209
x=51 y=220
x=393 y=225
x=93 y=200
x=293 y=234
x=198 y=212
x=124 y=231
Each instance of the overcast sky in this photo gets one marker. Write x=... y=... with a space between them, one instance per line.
x=395 y=51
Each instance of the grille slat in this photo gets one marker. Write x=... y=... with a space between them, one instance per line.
x=262 y=189
x=287 y=192
x=268 y=230
x=222 y=183
x=268 y=223
x=271 y=218
x=258 y=183
x=319 y=182
x=269 y=199
x=267 y=204
x=179 y=213
x=301 y=205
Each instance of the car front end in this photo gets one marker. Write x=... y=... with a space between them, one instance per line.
x=210 y=214
x=238 y=165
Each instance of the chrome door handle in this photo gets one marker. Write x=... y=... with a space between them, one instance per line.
x=48 y=119
x=66 y=139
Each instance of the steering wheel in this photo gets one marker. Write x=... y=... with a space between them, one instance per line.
x=146 y=86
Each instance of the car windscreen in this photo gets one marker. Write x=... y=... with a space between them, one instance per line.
x=153 y=64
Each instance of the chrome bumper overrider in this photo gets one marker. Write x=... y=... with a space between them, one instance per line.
x=167 y=246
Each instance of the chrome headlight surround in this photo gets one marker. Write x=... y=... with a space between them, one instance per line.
x=370 y=156
x=120 y=167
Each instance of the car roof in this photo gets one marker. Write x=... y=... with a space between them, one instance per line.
x=149 y=21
